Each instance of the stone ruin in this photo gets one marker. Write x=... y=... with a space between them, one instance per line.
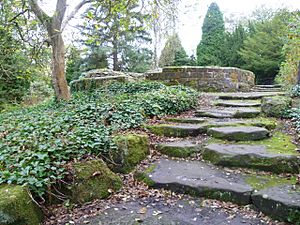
x=208 y=79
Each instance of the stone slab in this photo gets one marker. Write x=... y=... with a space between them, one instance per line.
x=268 y=86
x=200 y=179
x=281 y=202
x=229 y=113
x=250 y=156
x=180 y=149
x=249 y=95
x=229 y=103
x=150 y=211
x=176 y=130
x=192 y=120
x=243 y=133
x=266 y=123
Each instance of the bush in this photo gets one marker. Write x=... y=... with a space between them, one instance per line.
x=36 y=143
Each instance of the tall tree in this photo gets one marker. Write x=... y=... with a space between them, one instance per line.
x=210 y=51
x=116 y=33
x=55 y=25
x=262 y=52
x=172 y=48
x=234 y=42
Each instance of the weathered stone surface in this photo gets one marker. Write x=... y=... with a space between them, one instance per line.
x=229 y=103
x=199 y=179
x=229 y=113
x=281 y=202
x=249 y=96
x=250 y=156
x=183 y=212
x=275 y=106
x=269 y=124
x=178 y=130
x=17 y=207
x=94 y=83
x=207 y=78
x=180 y=149
x=192 y=120
x=92 y=180
x=132 y=149
x=243 y=133
x=268 y=89
x=268 y=86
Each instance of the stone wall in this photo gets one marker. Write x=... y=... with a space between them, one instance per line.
x=206 y=78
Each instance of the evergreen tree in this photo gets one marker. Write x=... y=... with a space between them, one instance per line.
x=262 y=52
x=114 y=34
x=233 y=44
x=173 y=54
x=210 y=51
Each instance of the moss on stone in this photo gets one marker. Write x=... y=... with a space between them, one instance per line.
x=259 y=182
x=17 y=207
x=278 y=143
x=92 y=180
x=143 y=176
x=275 y=106
x=132 y=149
x=180 y=151
x=169 y=130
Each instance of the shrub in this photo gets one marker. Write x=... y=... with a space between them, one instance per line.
x=36 y=143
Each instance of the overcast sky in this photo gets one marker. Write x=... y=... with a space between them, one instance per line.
x=192 y=13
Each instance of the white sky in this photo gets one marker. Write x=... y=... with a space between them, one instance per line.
x=192 y=13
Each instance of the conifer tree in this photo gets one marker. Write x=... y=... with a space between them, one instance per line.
x=210 y=51
x=173 y=54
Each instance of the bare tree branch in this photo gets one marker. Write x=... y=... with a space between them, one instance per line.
x=61 y=7
x=73 y=13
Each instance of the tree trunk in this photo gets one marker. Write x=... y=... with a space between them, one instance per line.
x=298 y=80
x=59 y=81
x=115 y=56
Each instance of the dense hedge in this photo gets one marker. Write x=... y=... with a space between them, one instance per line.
x=36 y=143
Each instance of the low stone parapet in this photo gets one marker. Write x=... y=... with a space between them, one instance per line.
x=206 y=78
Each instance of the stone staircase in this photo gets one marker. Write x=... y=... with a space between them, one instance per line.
x=245 y=160
x=267 y=88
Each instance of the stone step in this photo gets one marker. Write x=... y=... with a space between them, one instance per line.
x=267 y=89
x=251 y=156
x=280 y=202
x=268 y=86
x=187 y=120
x=273 y=195
x=199 y=179
x=181 y=149
x=235 y=103
x=176 y=130
x=229 y=113
x=248 y=95
x=242 y=133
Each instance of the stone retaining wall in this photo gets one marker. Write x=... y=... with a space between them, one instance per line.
x=206 y=78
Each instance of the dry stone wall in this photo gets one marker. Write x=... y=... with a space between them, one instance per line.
x=206 y=78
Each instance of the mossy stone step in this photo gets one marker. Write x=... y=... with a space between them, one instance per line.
x=229 y=113
x=181 y=149
x=242 y=133
x=176 y=130
x=235 y=103
x=250 y=156
x=279 y=202
x=268 y=89
x=199 y=179
x=246 y=95
x=192 y=120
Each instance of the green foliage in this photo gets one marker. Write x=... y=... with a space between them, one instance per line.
x=210 y=51
x=119 y=32
x=37 y=143
x=262 y=51
x=173 y=53
x=233 y=44
x=288 y=74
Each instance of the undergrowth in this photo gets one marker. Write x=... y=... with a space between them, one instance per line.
x=36 y=143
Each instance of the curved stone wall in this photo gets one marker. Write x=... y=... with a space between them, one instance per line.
x=207 y=78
